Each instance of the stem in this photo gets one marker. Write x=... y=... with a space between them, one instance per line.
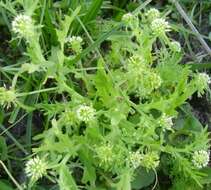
x=10 y=175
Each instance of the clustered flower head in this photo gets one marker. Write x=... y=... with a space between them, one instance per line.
x=200 y=158
x=160 y=26
x=127 y=18
x=152 y=14
x=166 y=122
x=7 y=97
x=175 y=46
x=135 y=159
x=85 y=113
x=75 y=43
x=23 y=26
x=36 y=168
x=150 y=160
x=105 y=155
x=202 y=81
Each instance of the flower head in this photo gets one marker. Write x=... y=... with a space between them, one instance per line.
x=202 y=83
x=160 y=26
x=23 y=26
x=166 y=122
x=75 y=43
x=130 y=20
x=200 y=158
x=150 y=160
x=85 y=113
x=36 y=168
x=7 y=97
x=105 y=155
x=135 y=159
x=152 y=14
x=175 y=46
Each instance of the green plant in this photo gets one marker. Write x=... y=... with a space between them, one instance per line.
x=108 y=119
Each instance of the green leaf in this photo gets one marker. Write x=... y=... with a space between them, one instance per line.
x=143 y=178
x=5 y=186
x=124 y=183
x=66 y=181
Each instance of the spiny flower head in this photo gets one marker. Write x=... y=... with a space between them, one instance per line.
x=152 y=14
x=7 y=97
x=135 y=159
x=105 y=155
x=85 y=113
x=130 y=20
x=175 y=46
x=23 y=26
x=75 y=43
x=166 y=122
x=160 y=26
x=150 y=160
x=36 y=168
x=202 y=82
x=200 y=158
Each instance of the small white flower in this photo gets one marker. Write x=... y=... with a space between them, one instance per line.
x=85 y=113
x=74 y=39
x=152 y=14
x=175 y=46
x=36 y=168
x=204 y=77
x=135 y=159
x=160 y=26
x=166 y=122
x=23 y=26
x=200 y=158
x=75 y=42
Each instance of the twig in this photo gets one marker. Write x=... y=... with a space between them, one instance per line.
x=193 y=28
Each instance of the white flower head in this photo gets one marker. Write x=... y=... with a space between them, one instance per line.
x=85 y=113
x=200 y=158
x=36 y=168
x=204 y=77
x=23 y=26
x=135 y=159
x=175 y=46
x=166 y=122
x=160 y=26
x=75 y=42
x=152 y=14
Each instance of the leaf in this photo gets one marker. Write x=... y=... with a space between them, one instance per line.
x=124 y=183
x=66 y=181
x=143 y=178
x=206 y=179
x=89 y=174
x=5 y=186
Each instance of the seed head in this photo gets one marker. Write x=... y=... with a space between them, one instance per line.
x=150 y=160
x=85 y=113
x=160 y=26
x=152 y=14
x=36 y=168
x=202 y=83
x=75 y=43
x=23 y=26
x=7 y=97
x=200 y=158
x=175 y=46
